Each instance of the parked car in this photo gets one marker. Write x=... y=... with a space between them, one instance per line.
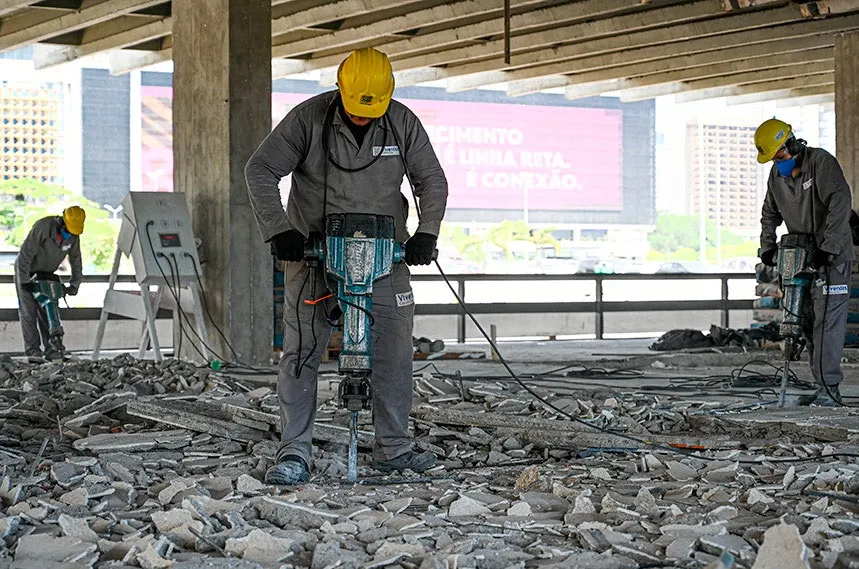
x=676 y=267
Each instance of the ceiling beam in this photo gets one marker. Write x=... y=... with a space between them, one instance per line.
x=754 y=88
x=48 y=56
x=750 y=77
x=73 y=21
x=676 y=63
x=127 y=61
x=799 y=99
x=430 y=16
x=608 y=34
x=9 y=6
x=679 y=39
x=494 y=24
x=328 y=12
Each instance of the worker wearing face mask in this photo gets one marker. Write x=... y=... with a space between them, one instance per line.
x=807 y=191
x=49 y=242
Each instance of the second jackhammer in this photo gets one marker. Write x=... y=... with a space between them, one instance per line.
x=795 y=252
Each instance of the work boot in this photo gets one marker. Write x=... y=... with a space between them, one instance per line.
x=828 y=396
x=289 y=471
x=54 y=356
x=35 y=358
x=417 y=462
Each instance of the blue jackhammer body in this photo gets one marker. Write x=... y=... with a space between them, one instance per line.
x=47 y=292
x=357 y=251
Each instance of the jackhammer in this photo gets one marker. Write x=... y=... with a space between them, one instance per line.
x=48 y=290
x=794 y=265
x=357 y=251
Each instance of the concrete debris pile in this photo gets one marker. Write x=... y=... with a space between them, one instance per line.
x=131 y=464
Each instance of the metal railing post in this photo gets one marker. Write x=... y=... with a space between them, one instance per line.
x=599 y=321
x=461 y=320
x=726 y=313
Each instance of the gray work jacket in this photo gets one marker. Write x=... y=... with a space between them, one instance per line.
x=43 y=250
x=817 y=201
x=296 y=147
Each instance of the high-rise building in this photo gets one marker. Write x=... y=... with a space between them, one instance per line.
x=723 y=176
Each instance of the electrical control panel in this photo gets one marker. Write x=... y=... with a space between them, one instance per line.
x=156 y=234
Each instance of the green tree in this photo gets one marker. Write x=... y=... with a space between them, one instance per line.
x=676 y=232
x=25 y=201
x=468 y=246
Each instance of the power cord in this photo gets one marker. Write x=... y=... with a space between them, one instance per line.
x=544 y=402
x=156 y=256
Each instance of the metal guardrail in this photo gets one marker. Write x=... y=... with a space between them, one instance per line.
x=599 y=307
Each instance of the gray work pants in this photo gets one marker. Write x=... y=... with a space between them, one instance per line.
x=34 y=322
x=826 y=323
x=305 y=338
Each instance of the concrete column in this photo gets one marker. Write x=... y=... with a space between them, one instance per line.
x=847 y=108
x=221 y=112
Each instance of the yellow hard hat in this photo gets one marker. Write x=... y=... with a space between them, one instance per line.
x=770 y=137
x=366 y=83
x=74 y=218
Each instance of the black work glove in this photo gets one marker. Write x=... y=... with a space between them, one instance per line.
x=29 y=287
x=820 y=259
x=768 y=257
x=71 y=290
x=288 y=246
x=420 y=249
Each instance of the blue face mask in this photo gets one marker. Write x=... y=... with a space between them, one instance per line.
x=785 y=167
x=66 y=235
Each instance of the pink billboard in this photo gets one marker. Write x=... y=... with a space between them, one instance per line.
x=495 y=156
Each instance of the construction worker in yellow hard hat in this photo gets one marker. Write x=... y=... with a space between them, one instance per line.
x=48 y=243
x=347 y=150
x=807 y=191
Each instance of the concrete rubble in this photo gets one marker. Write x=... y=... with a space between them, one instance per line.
x=124 y=463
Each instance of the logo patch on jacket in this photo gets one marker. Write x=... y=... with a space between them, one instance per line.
x=835 y=289
x=407 y=298
x=807 y=184
x=386 y=151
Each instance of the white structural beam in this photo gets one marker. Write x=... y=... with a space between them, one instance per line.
x=492 y=25
x=449 y=12
x=751 y=71
x=817 y=80
x=674 y=40
x=654 y=68
x=592 y=89
x=329 y=12
x=9 y=6
x=47 y=56
x=609 y=34
x=127 y=61
x=747 y=78
x=73 y=21
x=797 y=99
x=435 y=15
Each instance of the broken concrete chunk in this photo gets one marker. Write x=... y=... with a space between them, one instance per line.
x=782 y=548
x=77 y=497
x=77 y=528
x=290 y=515
x=681 y=548
x=681 y=472
x=248 y=484
x=134 y=442
x=47 y=549
x=519 y=509
x=261 y=547
x=466 y=506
